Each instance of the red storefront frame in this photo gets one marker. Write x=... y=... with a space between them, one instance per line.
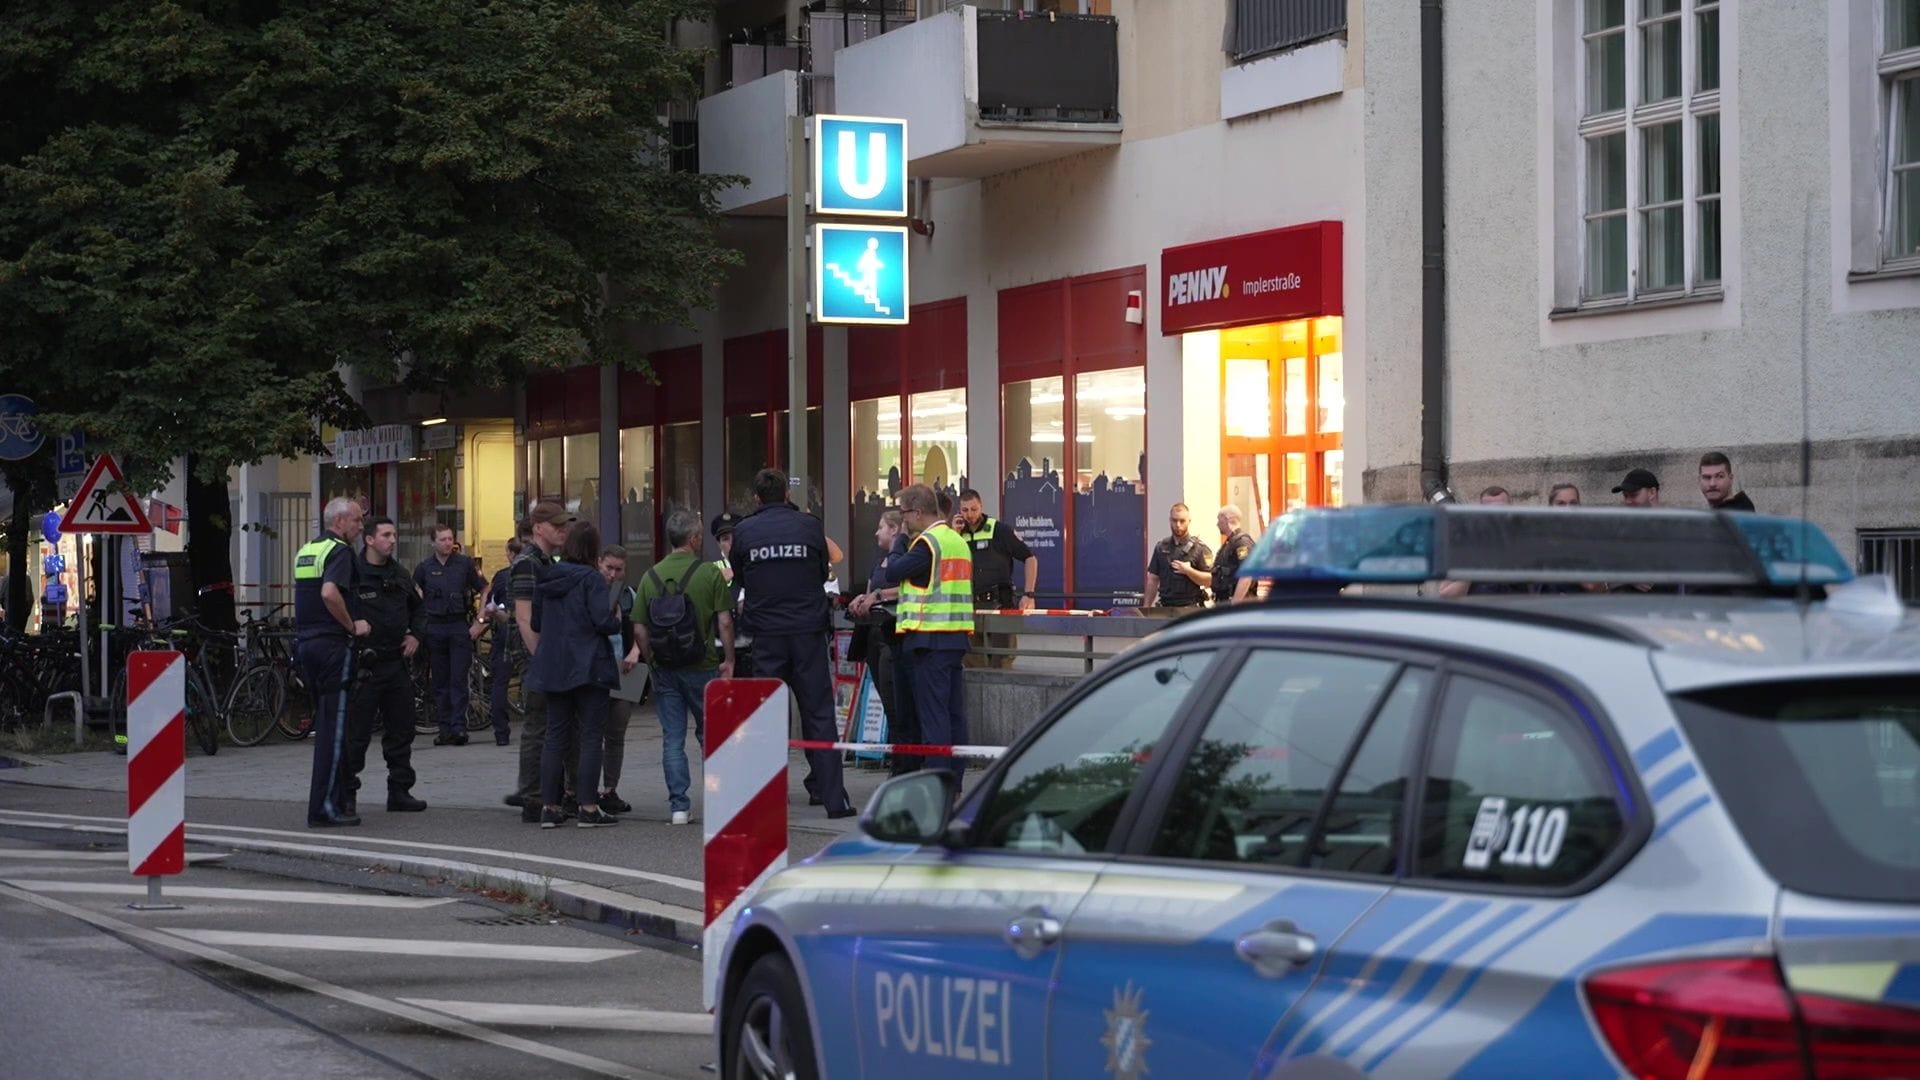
x=929 y=353
x=1067 y=327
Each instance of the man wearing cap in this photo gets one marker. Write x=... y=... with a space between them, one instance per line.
x=780 y=562
x=550 y=519
x=1640 y=488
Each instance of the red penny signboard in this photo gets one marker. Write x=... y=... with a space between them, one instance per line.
x=1291 y=273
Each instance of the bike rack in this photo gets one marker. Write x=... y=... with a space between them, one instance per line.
x=79 y=705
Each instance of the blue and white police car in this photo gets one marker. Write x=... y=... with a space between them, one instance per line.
x=1646 y=804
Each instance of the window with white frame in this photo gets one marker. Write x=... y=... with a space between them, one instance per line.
x=1899 y=70
x=1650 y=148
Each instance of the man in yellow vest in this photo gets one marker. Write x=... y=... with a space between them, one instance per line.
x=326 y=629
x=935 y=616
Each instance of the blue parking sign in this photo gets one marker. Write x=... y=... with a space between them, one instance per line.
x=860 y=166
x=860 y=274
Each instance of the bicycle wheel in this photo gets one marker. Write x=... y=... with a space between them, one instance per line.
x=479 y=695
x=424 y=722
x=203 y=720
x=255 y=704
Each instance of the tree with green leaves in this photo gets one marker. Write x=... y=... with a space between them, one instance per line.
x=209 y=209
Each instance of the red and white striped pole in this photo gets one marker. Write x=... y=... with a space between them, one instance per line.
x=156 y=769
x=745 y=813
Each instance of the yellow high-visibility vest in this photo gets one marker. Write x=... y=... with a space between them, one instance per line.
x=945 y=604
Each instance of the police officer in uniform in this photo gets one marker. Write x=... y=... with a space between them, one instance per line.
x=324 y=579
x=935 y=618
x=779 y=559
x=1235 y=546
x=449 y=581
x=1178 y=573
x=383 y=693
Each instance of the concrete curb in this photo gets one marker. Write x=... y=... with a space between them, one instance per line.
x=573 y=899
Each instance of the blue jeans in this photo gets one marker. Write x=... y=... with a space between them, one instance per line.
x=675 y=694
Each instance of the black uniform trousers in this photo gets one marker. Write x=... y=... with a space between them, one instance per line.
x=326 y=665
x=800 y=660
x=893 y=678
x=450 y=656
x=383 y=698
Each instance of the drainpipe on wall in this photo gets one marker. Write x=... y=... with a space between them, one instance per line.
x=1433 y=262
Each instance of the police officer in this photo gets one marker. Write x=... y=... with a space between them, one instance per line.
x=997 y=549
x=1178 y=574
x=449 y=580
x=935 y=618
x=1235 y=546
x=324 y=576
x=500 y=655
x=779 y=559
x=722 y=529
x=383 y=692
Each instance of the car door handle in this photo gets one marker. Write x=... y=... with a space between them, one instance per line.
x=1032 y=931
x=1276 y=949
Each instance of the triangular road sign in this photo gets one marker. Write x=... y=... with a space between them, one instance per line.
x=99 y=507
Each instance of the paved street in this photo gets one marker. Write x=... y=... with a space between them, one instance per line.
x=372 y=952
x=310 y=972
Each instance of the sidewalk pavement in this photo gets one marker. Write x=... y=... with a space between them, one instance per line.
x=644 y=874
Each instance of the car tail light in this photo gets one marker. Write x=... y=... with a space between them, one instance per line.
x=1734 y=1019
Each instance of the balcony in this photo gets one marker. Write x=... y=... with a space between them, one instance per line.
x=743 y=132
x=987 y=92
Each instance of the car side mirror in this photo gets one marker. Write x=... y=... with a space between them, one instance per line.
x=911 y=809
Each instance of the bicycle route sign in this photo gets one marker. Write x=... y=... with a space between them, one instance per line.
x=101 y=506
x=19 y=436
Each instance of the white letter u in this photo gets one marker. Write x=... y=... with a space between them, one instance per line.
x=876 y=178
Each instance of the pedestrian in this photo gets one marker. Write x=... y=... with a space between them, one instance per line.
x=500 y=653
x=722 y=529
x=1180 y=569
x=325 y=574
x=626 y=650
x=573 y=668
x=779 y=558
x=682 y=609
x=1235 y=545
x=1716 y=483
x=1563 y=495
x=382 y=694
x=935 y=615
x=548 y=524
x=996 y=550
x=886 y=658
x=449 y=581
x=1640 y=488
x=1492 y=495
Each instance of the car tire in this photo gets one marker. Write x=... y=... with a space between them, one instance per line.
x=768 y=1035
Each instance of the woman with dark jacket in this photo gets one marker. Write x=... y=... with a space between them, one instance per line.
x=573 y=611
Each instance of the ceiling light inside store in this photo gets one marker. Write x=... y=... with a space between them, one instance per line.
x=435 y=420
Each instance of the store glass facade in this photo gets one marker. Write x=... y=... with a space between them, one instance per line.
x=1283 y=410
x=638 y=498
x=938 y=454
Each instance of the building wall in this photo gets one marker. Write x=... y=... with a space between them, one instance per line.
x=1536 y=397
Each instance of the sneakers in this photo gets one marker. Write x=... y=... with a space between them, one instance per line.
x=680 y=817
x=594 y=818
x=552 y=818
x=612 y=803
x=530 y=812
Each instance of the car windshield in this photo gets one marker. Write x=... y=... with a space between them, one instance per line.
x=1822 y=778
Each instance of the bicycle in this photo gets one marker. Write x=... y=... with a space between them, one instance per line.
x=480 y=686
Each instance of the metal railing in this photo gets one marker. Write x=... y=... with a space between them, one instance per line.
x=1264 y=26
x=1058 y=68
x=1894 y=552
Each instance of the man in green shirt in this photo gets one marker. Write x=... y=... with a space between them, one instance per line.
x=683 y=605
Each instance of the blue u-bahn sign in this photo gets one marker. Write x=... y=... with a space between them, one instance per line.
x=859 y=166
x=860 y=274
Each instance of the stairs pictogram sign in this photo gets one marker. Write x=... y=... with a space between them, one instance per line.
x=100 y=507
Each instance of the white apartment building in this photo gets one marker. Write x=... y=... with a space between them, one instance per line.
x=1136 y=278
x=1668 y=223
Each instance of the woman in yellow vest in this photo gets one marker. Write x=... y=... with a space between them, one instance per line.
x=935 y=615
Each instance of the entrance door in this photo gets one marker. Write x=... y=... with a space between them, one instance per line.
x=1283 y=411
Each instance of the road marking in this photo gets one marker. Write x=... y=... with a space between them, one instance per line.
x=216 y=892
x=466 y=950
x=689 y=884
x=519 y=1014
x=52 y=854
x=423 y=1017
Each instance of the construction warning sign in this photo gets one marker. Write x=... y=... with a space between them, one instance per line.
x=102 y=506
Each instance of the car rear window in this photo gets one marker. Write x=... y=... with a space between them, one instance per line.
x=1822 y=779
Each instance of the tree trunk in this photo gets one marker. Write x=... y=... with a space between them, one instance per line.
x=210 y=548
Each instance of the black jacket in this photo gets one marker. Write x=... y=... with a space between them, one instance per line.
x=573 y=613
x=384 y=596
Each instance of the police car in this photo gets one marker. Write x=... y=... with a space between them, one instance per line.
x=1664 y=827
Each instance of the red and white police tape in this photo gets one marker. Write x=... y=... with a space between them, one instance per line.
x=156 y=763
x=913 y=749
x=745 y=814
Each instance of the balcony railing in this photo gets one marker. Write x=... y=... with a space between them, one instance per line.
x=1264 y=26
x=1049 y=68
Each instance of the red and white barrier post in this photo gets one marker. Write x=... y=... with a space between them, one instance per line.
x=156 y=770
x=744 y=817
